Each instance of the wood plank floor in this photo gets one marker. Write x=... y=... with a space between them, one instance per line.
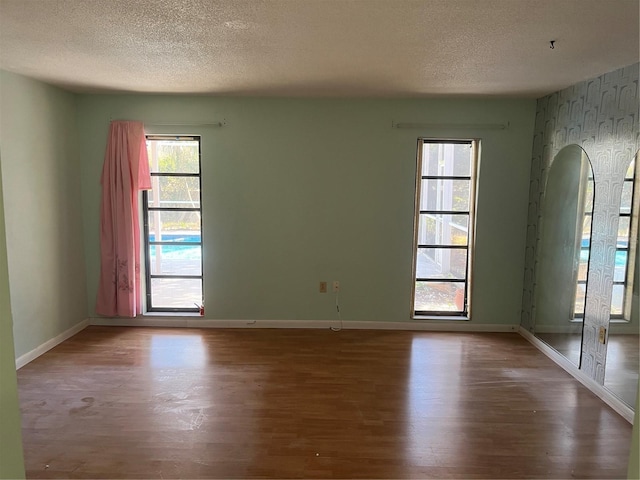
x=166 y=403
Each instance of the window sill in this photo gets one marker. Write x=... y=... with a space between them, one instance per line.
x=447 y=318
x=171 y=314
x=611 y=320
x=619 y=320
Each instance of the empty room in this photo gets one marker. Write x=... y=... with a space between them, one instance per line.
x=319 y=238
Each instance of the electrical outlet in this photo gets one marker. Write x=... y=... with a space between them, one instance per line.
x=336 y=286
x=323 y=287
x=602 y=334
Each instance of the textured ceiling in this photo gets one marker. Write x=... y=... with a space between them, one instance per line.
x=390 y=48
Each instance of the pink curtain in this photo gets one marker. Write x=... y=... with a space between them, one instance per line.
x=124 y=174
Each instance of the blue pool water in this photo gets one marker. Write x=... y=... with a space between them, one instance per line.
x=176 y=238
x=176 y=252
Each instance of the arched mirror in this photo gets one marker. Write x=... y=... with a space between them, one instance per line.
x=623 y=350
x=563 y=252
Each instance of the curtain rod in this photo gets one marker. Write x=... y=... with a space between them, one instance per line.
x=222 y=123
x=186 y=124
x=467 y=126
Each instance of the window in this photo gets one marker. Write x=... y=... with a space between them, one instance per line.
x=625 y=247
x=585 y=250
x=445 y=203
x=172 y=225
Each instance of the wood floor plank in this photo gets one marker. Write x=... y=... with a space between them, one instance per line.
x=117 y=402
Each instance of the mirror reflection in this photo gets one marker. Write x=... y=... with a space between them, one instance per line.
x=563 y=252
x=623 y=350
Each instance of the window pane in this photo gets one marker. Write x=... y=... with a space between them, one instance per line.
x=174 y=226
x=583 y=265
x=439 y=297
x=446 y=159
x=175 y=259
x=445 y=195
x=434 y=229
x=580 y=296
x=462 y=160
x=441 y=263
x=586 y=231
x=617 y=300
x=173 y=156
x=588 y=204
x=623 y=231
x=176 y=292
x=621 y=266
x=174 y=192
x=625 y=200
x=431 y=159
x=630 y=170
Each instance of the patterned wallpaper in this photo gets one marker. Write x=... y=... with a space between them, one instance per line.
x=601 y=116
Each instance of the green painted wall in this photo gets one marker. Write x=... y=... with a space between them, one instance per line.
x=296 y=191
x=11 y=458
x=42 y=210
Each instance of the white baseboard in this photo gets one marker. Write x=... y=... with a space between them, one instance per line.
x=198 y=322
x=617 y=328
x=568 y=329
x=431 y=326
x=623 y=328
x=22 y=360
x=605 y=395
